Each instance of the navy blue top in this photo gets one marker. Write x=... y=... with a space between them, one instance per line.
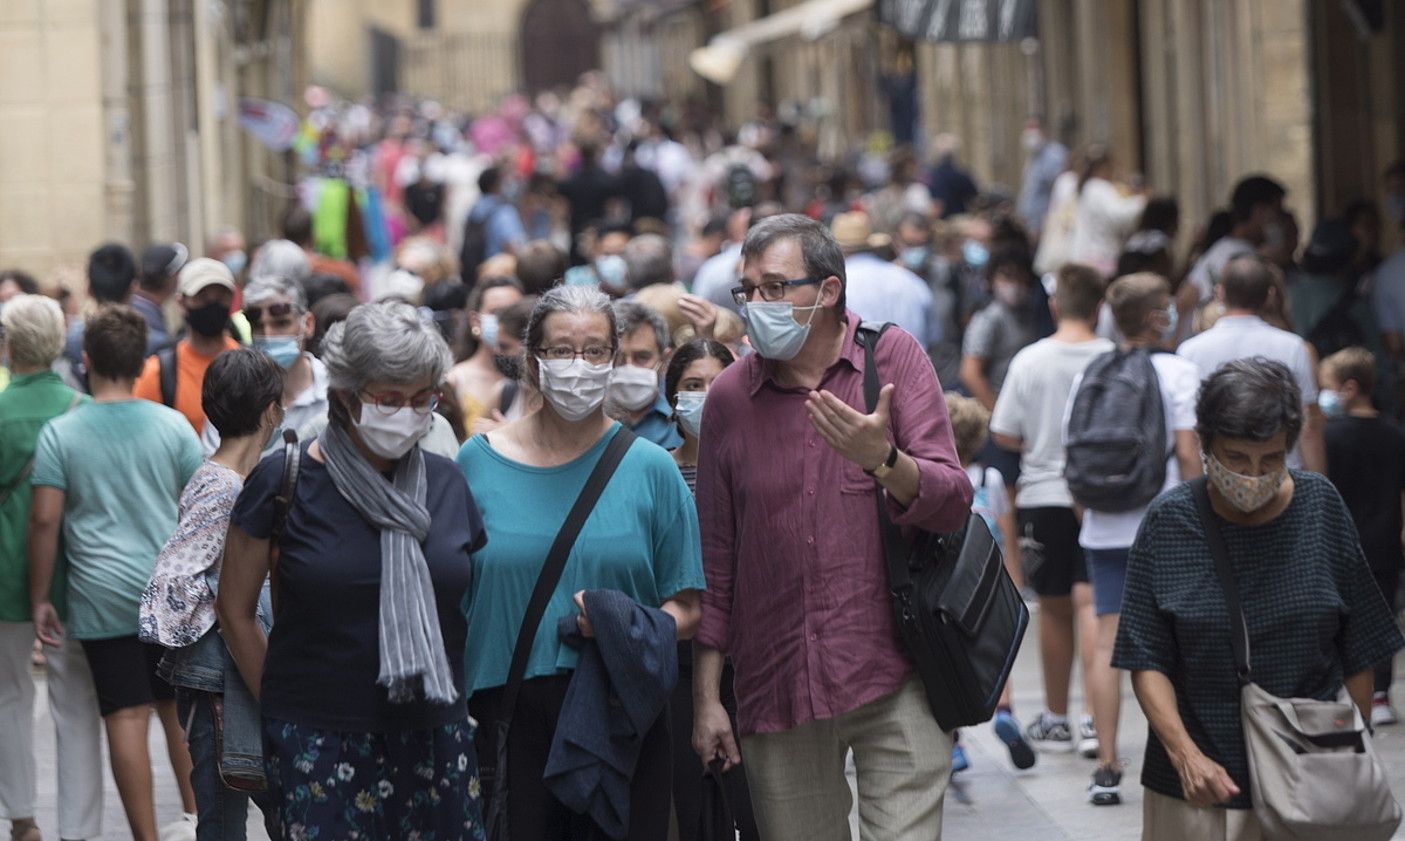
x=324 y=652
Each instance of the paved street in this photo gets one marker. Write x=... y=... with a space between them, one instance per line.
x=989 y=801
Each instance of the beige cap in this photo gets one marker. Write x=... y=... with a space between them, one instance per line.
x=203 y=272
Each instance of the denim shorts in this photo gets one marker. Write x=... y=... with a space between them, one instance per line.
x=1107 y=569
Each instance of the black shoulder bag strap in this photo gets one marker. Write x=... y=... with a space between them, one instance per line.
x=1200 y=489
x=894 y=547
x=167 y=374
x=29 y=465
x=282 y=504
x=550 y=576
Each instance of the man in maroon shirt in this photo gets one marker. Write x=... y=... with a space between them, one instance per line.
x=797 y=582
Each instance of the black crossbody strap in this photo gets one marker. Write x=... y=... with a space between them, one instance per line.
x=894 y=547
x=555 y=564
x=1200 y=489
x=282 y=504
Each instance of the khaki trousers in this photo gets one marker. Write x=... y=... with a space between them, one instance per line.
x=902 y=761
x=1168 y=819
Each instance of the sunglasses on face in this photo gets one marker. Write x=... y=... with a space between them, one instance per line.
x=273 y=311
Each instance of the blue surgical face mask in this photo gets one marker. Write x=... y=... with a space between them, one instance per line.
x=488 y=329
x=689 y=409
x=1330 y=402
x=285 y=350
x=915 y=257
x=235 y=261
x=975 y=254
x=611 y=271
x=773 y=330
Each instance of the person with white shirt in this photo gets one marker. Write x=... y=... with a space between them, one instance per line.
x=1028 y=419
x=1240 y=333
x=1256 y=205
x=1146 y=315
x=877 y=289
x=1105 y=216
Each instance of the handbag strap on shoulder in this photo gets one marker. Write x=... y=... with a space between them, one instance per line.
x=894 y=547
x=1210 y=522
x=555 y=565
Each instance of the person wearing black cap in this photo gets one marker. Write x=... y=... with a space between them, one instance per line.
x=160 y=263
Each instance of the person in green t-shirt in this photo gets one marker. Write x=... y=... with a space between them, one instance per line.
x=108 y=477
x=34 y=330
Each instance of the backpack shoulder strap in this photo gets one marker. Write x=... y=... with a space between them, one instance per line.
x=20 y=477
x=894 y=547
x=166 y=357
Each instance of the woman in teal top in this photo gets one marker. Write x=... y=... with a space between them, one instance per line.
x=641 y=539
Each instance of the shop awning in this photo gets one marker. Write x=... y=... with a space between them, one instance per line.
x=719 y=60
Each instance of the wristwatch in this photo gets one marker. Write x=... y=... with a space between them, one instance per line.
x=886 y=467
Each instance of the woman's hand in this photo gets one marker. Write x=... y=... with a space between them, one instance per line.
x=582 y=621
x=1204 y=781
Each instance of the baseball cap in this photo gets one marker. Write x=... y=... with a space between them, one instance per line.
x=203 y=272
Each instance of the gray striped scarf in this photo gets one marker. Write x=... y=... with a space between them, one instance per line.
x=411 y=643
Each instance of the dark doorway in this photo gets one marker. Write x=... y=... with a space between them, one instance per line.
x=385 y=62
x=559 y=43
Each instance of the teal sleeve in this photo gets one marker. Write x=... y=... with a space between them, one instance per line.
x=677 y=544
x=48 y=461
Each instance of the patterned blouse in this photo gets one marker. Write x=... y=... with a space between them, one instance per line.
x=178 y=606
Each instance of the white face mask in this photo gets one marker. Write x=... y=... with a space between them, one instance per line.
x=773 y=330
x=690 y=411
x=393 y=435
x=573 y=387
x=488 y=329
x=632 y=388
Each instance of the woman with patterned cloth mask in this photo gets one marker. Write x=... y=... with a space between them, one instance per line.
x=1315 y=619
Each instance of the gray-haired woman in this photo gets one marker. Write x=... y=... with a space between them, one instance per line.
x=1315 y=618
x=641 y=540
x=366 y=730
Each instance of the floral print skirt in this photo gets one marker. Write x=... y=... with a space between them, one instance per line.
x=415 y=785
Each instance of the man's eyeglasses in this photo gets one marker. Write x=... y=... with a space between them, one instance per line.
x=255 y=314
x=771 y=290
x=596 y=355
x=389 y=403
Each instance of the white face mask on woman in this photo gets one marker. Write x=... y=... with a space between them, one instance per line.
x=690 y=410
x=392 y=435
x=573 y=387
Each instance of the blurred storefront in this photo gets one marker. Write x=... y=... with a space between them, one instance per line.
x=122 y=120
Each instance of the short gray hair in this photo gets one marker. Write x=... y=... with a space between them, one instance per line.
x=648 y=259
x=280 y=258
x=821 y=252
x=1249 y=399
x=384 y=342
x=33 y=325
x=581 y=300
x=263 y=288
x=631 y=315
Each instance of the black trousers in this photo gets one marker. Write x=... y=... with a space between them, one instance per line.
x=535 y=813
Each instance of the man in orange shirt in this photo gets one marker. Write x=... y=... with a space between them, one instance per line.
x=174 y=375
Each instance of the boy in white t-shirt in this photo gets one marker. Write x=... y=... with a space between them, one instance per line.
x=1146 y=314
x=970 y=426
x=1028 y=419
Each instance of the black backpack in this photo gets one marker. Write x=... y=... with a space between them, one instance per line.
x=475 y=237
x=1116 y=439
x=1338 y=328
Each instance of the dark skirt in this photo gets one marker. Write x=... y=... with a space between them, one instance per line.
x=415 y=784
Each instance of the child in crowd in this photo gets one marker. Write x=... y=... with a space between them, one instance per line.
x=970 y=425
x=1366 y=462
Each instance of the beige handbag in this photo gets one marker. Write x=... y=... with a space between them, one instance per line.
x=1313 y=771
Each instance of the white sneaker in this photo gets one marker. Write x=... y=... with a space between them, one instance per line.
x=179 y=830
x=1382 y=713
x=1087 y=738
